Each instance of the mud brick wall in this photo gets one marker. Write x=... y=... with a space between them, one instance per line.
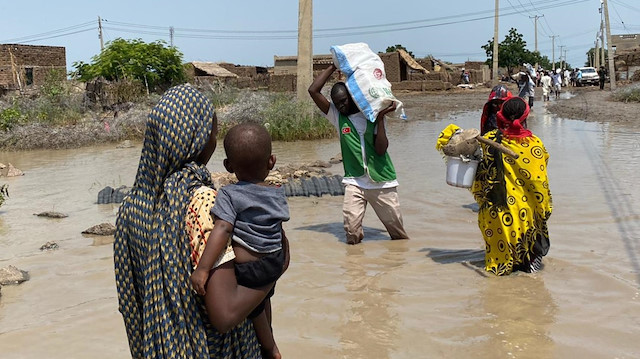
x=438 y=76
x=476 y=76
x=426 y=63
x=392 y=68
x=407 y=86
x=417 y=76
x=282 y=83
x=473 y=65
x=40 y=58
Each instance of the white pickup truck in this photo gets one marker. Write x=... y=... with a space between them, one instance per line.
x=589 y=76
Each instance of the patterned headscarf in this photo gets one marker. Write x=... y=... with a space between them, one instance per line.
x=151 y=253
x=499 y=94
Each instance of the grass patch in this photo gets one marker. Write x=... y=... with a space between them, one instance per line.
x=630 y=93
x=285 y=118
x=60 y=117
x=290 y=120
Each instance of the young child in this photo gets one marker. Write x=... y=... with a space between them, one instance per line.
x=251 y=213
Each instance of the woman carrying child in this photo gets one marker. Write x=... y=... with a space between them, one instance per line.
x=250 y=213
x=513 y=195
x=163 y=317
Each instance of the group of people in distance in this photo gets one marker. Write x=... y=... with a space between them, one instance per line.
x=196 y=267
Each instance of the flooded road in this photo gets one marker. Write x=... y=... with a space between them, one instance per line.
x=423 y=298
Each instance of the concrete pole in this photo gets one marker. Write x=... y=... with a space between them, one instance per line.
x=612 y=68
x=596 y=54
x=100 y=33
x=562 y=60
x=601 y=35
x=553 y=51
x=535 y=29
x=305 y=49
x=495 y=45
x=602 y=44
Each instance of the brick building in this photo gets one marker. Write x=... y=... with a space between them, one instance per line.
x=26 y=66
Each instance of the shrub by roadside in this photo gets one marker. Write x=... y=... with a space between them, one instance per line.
x=65 y=122
x=626 y=94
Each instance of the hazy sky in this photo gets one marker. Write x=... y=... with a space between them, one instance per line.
x=249 y=32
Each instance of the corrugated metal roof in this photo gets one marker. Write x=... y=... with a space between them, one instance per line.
x=213 y=69
x=411 y=62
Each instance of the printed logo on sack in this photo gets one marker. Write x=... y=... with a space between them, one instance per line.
x=346 y=130
x=377 y=73
x=373 y=92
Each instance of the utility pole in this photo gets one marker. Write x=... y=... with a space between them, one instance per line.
x=601 y=35
x=596 y=53
x=553 y=51
x=535 y=30
x=171 y=36
x=100 y=34
x=305 y=49
x=495 y=45
x=535 y=27
x=612 y=68
x=565 y=58
x=561 y=58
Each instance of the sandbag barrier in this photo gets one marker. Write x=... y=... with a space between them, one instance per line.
x=299 y=187
x=314 y=186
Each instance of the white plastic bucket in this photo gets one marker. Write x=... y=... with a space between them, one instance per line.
x=460 y=173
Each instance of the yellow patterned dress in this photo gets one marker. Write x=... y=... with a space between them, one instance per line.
x=515 y=204
x=199 y=222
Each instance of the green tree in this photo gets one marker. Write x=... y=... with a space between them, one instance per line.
x=512 y=52
x=154 y=65
x=398 y=47
x=590 y=59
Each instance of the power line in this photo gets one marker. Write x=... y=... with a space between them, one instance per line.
x=281 y=34
x=619 y=17
x=626 y=5
x=42 y=34
x=54 y=36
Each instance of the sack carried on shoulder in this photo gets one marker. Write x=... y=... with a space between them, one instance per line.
x=366 y=79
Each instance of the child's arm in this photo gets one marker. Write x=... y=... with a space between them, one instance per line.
x=216 y=244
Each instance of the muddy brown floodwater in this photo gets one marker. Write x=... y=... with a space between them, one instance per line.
x=423 y=298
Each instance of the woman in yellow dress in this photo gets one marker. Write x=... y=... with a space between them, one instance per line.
x=513 y=195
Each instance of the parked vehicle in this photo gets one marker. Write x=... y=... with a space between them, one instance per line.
x=589 y=76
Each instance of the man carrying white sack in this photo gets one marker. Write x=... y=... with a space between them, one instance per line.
x=369 y=175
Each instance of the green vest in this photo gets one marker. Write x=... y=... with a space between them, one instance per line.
x=379 y=167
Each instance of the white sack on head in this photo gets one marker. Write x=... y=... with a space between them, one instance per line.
x=366 y=79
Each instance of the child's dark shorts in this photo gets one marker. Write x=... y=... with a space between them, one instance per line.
x=259 y=273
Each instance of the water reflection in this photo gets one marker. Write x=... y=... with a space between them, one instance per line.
x=371 y=327
x=520 y=311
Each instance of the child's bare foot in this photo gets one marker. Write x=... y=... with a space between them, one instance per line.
x=274 y=353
